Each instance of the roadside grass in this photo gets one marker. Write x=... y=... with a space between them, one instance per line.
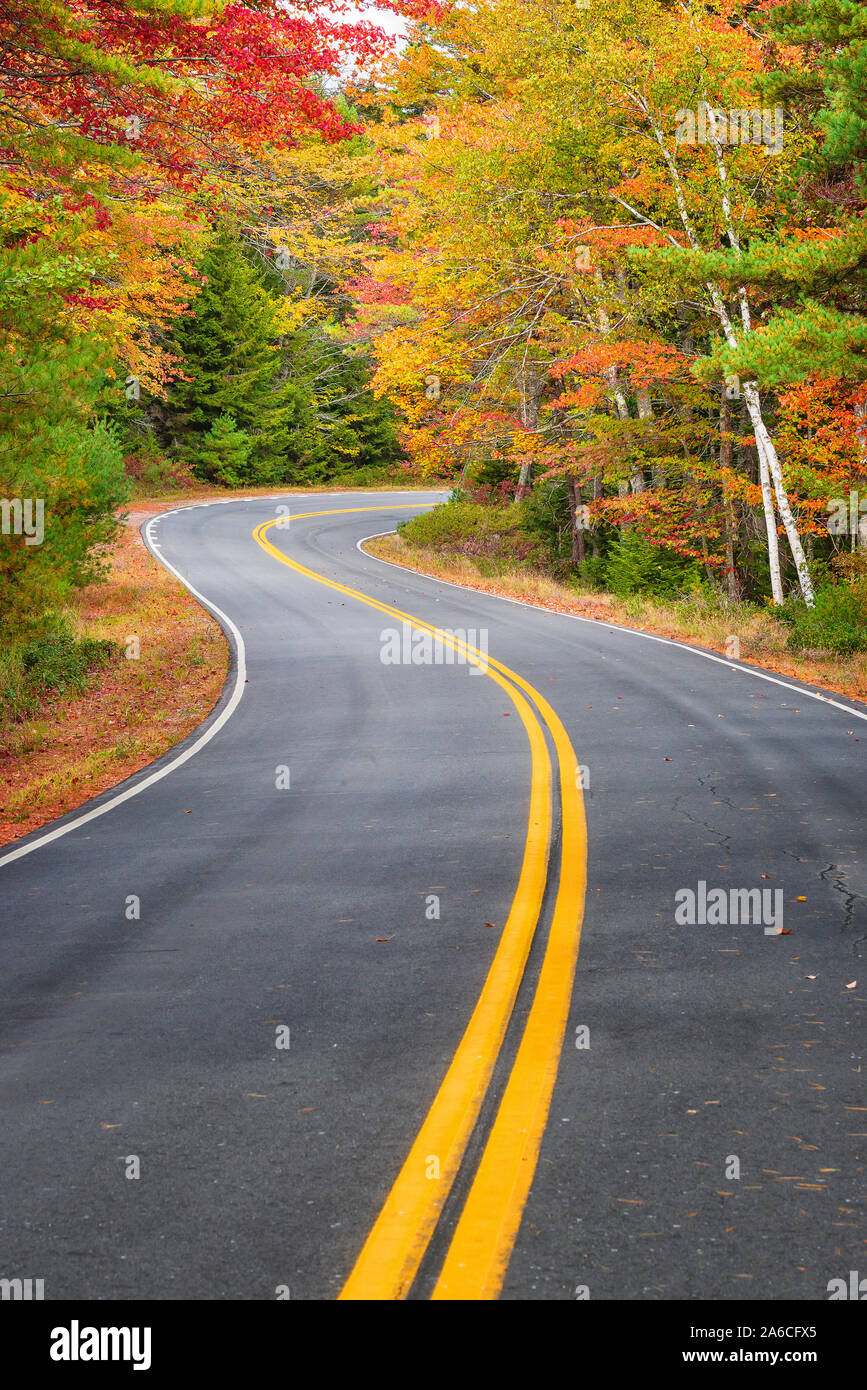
x=762 y=638
x=130 y=711
x=112 y=715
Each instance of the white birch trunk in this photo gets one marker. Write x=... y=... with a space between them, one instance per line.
x=770 y=526
x=764 y=443
x=751 y=394
x=861 y=435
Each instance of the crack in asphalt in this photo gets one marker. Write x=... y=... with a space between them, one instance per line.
x=851 y=898
x=705 y=824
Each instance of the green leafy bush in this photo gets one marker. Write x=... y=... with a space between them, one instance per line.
x=54 y=663
x=489 y=536
x=444 y=526
x=837 y=623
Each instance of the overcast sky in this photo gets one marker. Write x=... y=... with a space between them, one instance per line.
x=385 y=19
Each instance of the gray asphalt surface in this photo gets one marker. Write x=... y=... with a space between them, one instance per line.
x=261 y=908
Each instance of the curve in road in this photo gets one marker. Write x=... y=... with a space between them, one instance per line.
x=483 y=1242
x=154 y=961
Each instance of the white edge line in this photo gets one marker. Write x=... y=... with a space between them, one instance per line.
x=212 y=729
x=616 y=627
x=228 y=709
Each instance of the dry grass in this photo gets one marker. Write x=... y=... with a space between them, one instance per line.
x=762 y=639
x=134 y=710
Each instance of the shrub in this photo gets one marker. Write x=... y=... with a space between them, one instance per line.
x=489 y=536
x=837 y=623
x=634 y=566
x=54 y=663
x=444 y=525
x=152 y=473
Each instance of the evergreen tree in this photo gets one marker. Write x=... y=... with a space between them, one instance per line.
x=818 y=287
x=836 y=31
x=230 y=347
x=357 y=429
x=634 y=565
x=302 y=400
x=341 y=426
x=61 y=471
x=223 y=454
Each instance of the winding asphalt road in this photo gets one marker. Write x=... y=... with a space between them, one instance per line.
x=288 y=874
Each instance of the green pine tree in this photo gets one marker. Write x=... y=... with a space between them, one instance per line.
x=223 y=455
x=61 y=468
x=634 y=565
x=231 y=352
x=340 y=426
x=836 y=31
x=819 y=325
x=358 y=429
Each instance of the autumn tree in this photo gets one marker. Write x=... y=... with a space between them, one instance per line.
x=594 y=205
x=121 y=123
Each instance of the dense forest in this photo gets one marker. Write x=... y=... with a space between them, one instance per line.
x=601 y=267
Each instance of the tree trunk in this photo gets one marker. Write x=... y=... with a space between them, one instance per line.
x=597 y=493
x=531 y=394
x=710 y=573
x=770 y=525
x=579 y=552
x=620 y=403
x=726 y=458
x=860 y=409
x=772 y=463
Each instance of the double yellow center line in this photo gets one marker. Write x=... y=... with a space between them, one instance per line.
x=480 y=1249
